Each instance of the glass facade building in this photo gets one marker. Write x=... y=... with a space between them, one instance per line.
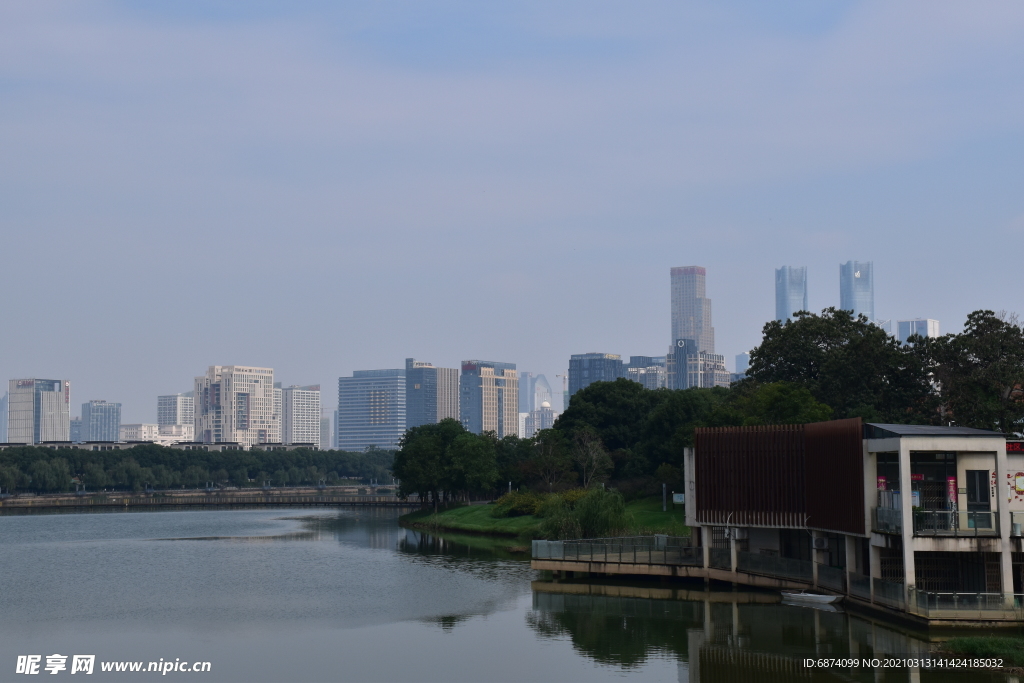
x=691 y=309
x=431 y=394
x=371 y=410
x=790 y=291
x=924 y=327
x=38 y=410
x=101 y=421
x=857 y=288
x=489 y=397
x=587 y=368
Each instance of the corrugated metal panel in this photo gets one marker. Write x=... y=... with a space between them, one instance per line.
x=835 y=475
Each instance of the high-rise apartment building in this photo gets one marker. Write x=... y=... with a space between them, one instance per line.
x=175 y=409
x=691 y=309
x=857 y=288
x=489 y=397
x=431 y=394
x=300 y=414
x=790 y=291
x=325 y=433
x=235 y=404
x=587 y=368
x=371 y=409
x=3 y=418
x=101 y=421
x=38 y=410
x=924 y=327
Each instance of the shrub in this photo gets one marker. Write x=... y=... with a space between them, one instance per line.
x=517 y=504
x=597 y=513
x=573 y=496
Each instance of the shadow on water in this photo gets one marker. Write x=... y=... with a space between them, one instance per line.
x=721 y=636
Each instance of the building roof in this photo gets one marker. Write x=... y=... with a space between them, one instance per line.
x=873 y=430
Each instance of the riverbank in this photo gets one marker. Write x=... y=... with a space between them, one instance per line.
x=644 y=517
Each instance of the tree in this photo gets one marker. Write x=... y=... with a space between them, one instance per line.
x=847 y=363
x=551 y=462
x=777 y=403
x=980 y=372
x=589 y=456
x=470 y=464
x=423 y=461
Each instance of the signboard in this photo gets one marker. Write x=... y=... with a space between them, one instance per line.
x=915 y=499
x=678 y=498
x=916 y=477
x=951 y=491
x=881 y=483
x=1015 y=446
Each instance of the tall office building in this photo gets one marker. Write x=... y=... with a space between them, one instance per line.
x=790 y=291
x=38 y=410
x=587 y=368
x=235 y=404
x=649 y=371
x=691 y=309
x=75 y=430
x=924 y=327
x=489 y=397
x=526 y=393
x=431 y=394
x=325 y=433
x=536 y=420
x=300 y=414
x=3 y=418
x=857 y=288
x=689 y=367
x=742 y=363
x=101 y=421
x=371 y=409
x=175 y=409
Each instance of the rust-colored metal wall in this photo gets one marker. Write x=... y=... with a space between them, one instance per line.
x=781 y=475
x=835 y=475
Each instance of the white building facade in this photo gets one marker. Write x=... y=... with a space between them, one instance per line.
x=236 y=404
x=300 y=414
x=38 y=410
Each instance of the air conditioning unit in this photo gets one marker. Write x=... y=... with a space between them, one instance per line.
x=820 y=543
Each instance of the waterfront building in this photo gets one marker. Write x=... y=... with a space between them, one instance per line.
x=542 y=418
x=101 y=421
x=236 y=404
x=300 y=414
x=918 y=519
x=924 y=327
x=489 y=397
x=790 y=291
x=431 y=394
x=371 y=409
x=75 y=430
x=38 y=410
x=857 y=288
x=691 y=309
x=587 y=368
x=140 y=432
x=176 y=409
x=3 y=418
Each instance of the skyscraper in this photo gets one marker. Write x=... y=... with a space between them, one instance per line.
x=649 y=371
x=688 y=367
x=101 y=421
x=3 y=418
x=857 y=288
x=325 y=433
x=587 y=368
x=75 y=430
x=691 y=309
x=176 y=417
x=526 y=395
x=235 y=404
x=371 y=409
x=431 y=394
x=924 y=327
x=790 y=291
x=300 y=414
x=38 y=410
x=489 y=397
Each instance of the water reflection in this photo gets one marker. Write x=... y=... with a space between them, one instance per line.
x=724 y=636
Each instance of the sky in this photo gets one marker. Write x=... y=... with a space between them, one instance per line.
x=327 y=187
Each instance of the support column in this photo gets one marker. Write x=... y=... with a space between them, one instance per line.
x=874 y=566
x=732 y=553
x=814 y=558
x=851 y=558
x=1005 y=523
x=907 y=510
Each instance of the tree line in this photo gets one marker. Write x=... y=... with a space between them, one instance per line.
x=46 y=470
x=808 y=369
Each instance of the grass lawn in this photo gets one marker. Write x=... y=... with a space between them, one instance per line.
x=645 y=517
x=1010 y=650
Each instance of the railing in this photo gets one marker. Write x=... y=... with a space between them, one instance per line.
x=888 y=521
x=889 y=593
x=955 y=523
x=720 y=558
x=833 y=578
x=860 y=586
x=767 y=565
x=659 y=549
x=966 y=605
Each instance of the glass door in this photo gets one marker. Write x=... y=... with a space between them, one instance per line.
x=979 y=504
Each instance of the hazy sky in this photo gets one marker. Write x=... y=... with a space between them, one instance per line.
x=322 y=187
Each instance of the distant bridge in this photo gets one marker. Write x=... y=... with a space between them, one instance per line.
x=338 y=497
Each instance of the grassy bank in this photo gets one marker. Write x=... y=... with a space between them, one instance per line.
x=643 y=516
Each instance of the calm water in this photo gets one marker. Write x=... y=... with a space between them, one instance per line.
x=328 y=595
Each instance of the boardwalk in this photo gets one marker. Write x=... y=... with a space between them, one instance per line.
x=339 y=496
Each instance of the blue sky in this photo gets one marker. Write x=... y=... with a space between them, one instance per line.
x=322 y=187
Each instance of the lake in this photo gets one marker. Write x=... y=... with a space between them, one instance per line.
x=276 y=594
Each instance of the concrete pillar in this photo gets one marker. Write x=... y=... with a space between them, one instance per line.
x=815 y=559
x=906 y=505
x=851 y=557
x=1005 y=523
x=732 y=554
x=874 y=566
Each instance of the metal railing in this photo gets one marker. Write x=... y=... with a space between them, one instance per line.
x=833 y=578
x=860 y=586
x=939 y=605
x=955 y=523
x=767 y=565
x=720 y=558
x=659 y=549
x=888 y=521
x=888 y=593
